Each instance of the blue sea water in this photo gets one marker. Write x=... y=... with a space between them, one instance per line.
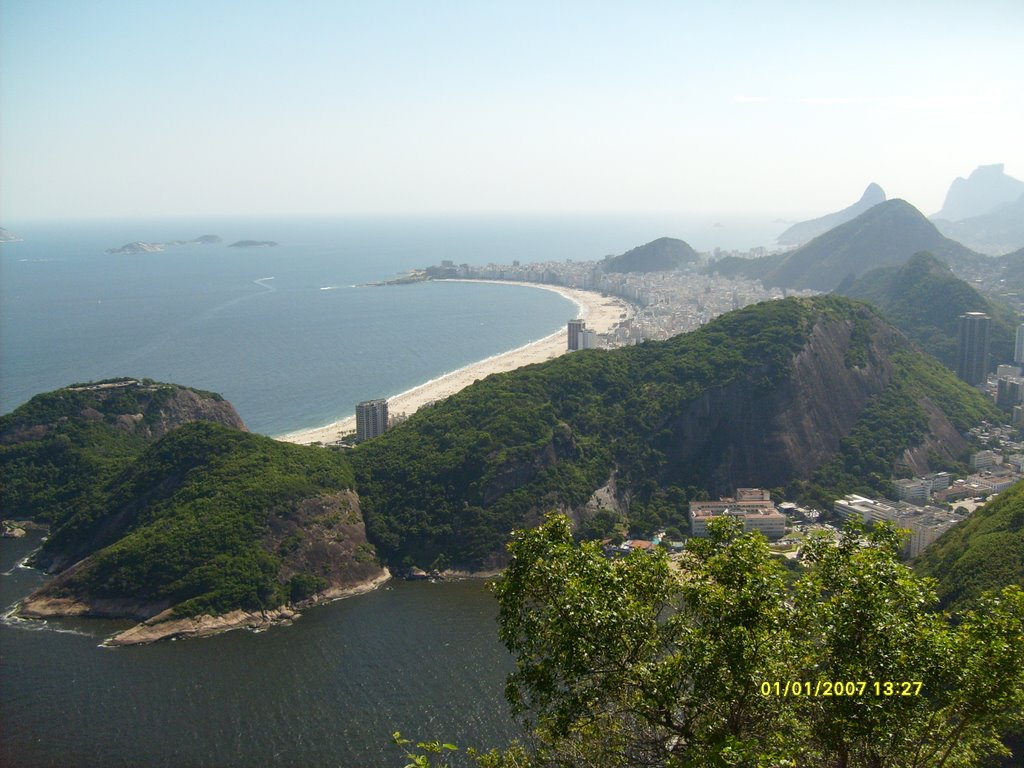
x=286 y=333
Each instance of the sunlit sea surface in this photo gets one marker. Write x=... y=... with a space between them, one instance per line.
x=291 y=337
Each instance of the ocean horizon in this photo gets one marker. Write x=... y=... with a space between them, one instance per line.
x=289 y=334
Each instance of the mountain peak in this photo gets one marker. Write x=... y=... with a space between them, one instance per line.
x=885 y=235
x=987 y=188
x=805 y=231
x=873 y=195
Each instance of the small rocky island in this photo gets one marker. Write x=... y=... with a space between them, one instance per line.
x=253 y=244
x=142 y=247
x=6 y=236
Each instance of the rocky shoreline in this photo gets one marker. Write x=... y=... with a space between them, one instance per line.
x=162 y=627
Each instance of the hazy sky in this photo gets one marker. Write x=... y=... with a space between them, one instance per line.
x=113 y=109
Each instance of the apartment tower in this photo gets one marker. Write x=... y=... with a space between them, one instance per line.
x=575 y=331
x=371 y=419
x=972 y=351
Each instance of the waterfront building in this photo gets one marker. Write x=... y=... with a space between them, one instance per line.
x=575 y=331
x=751 y=506
x=588 y=339
x=972 y=350
x=371 y=419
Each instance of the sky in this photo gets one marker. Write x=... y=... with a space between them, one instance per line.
x=146 y=108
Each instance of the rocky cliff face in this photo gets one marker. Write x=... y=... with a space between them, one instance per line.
x=743 y=434
x=324 y=537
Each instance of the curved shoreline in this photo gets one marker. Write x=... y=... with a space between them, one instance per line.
x=601 y=312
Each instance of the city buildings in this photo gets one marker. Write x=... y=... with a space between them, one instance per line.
x=972 y=349
x=918 y=490
x=923 y=524
x=371 y=419
x=751 y=506
x=575 y=332
x=1018 y=347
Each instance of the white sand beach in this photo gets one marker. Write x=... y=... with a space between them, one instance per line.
x=600 y=312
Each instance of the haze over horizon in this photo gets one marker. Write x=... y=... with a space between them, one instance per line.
x=119 y=110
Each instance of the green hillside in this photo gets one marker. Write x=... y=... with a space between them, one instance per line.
x=923 y=298
x=732 y=404
x=984 y=552
x=60 y=447
x=210 y=519
x=663 y=254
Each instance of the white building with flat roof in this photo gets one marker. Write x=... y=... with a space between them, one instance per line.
x=751 y=506
x=924 y=524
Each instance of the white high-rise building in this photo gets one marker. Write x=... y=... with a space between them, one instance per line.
x=1018 y=347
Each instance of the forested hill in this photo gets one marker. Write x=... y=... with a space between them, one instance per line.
x=61 y=446
x=985 y=552
x=208 y=520
x=821 y=393
x=923 y=298
x=883 y=236
x=663 y=254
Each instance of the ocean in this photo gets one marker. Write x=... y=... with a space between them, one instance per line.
x=290 y=337
x=287 y=333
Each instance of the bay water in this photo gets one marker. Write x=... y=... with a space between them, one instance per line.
x=293 y=338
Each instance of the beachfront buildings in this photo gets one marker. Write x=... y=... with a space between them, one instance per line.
x=575 y=333
x=371 y=419
x=751 y=506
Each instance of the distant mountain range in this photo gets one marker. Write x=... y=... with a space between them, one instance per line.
x=885 y=235
x=987 y=188
x=998 y=231
x=985 y=211
x=661 y=255
x=805 y=231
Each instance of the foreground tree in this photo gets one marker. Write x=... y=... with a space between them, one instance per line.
x=714 y=662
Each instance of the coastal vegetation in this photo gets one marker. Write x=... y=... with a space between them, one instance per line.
x=210 y=519
x=159 y=510
x=61 y=447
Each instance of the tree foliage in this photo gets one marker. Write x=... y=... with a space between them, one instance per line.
x=189 y=523
x=715 y=663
